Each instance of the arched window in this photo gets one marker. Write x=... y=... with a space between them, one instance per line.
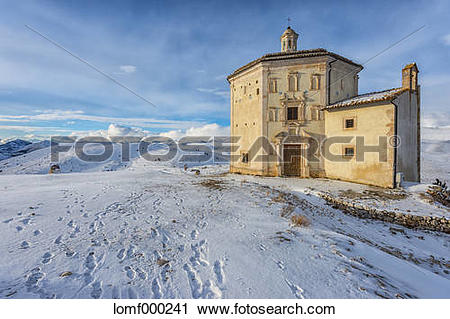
x=289 y=44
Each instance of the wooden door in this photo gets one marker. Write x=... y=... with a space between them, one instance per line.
x=293 y=160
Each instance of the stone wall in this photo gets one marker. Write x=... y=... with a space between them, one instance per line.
x=411 y=221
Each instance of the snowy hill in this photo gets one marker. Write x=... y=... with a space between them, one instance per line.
x=156 y=231
x=36 y=159
x=20 y=147
x=10 y=148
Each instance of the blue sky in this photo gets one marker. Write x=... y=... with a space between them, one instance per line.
x=177 y=55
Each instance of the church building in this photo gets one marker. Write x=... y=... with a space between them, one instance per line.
x=298 y=113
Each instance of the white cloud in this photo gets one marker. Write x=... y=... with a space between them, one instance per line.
x=446 y=39
x=221 y=77
x=62 y=115
x=205 y=130
x=128 y=68
x=215 y=91
x=174 y=134
x=208 y=130
x=27 y=128
x=436 y=120
x=120 y=130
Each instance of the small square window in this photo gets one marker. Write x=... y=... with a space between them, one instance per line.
x=349 y=151
x=349 y=123
x=292 y=113
x=257 y=91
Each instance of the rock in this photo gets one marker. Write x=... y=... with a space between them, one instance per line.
x=65 y=274
x=162 y=262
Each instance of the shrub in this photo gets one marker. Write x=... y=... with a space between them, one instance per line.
x=299 y=221
x=440 y=193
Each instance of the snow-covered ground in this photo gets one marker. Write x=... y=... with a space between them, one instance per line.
x=153 y=230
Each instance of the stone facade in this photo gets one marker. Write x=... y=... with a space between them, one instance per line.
x=285 y=105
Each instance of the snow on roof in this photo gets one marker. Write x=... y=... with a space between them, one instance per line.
x=368 y=98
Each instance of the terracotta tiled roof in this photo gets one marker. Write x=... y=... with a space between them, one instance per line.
x=411 y=65
x=292 y=55
x=387 y=95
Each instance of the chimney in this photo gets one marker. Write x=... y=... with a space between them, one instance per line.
x=409 y=76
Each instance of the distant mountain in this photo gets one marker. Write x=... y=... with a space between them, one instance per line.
x=19 y=147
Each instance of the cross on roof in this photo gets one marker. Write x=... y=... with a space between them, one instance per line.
x=289 y=21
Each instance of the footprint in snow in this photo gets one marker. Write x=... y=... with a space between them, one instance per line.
x=202 y=224
x=194 y=281
x=153 y=233
x=90 y=262
x=296 y=290
x=8 y=220
x=34 y=278
x=132 y=294
x=25 y=245
x=121 y=254
x=88 y=278
x=116 y=293
x=58 y=240
x=37 y=232
x=281 y=265
x=142 y=274
x=131 y=251
x=130 y=272
x=156 y=289
x=47 y=258
x=210 y=291
x=218 y=270
x=96 y=290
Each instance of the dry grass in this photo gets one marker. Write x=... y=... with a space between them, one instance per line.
x=280 y=198
x=287 y=210
x=300 y=221
x=212 y=184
